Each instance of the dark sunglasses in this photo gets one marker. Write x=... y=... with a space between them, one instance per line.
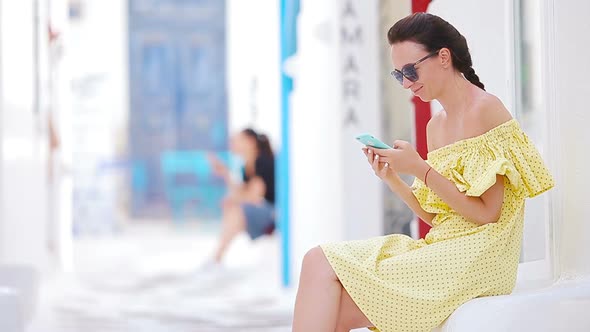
x=409 y=71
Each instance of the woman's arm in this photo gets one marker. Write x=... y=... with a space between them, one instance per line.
x=220 y=169
x=398 y=186
x=254 y=191
x=480 y=210
x=405 y=193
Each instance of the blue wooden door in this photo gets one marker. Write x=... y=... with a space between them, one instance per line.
x=177 y=90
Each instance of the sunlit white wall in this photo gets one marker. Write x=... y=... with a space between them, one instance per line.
x=35 y=222
x=253 y=76
x=97 y=51
x=24 y=189
x=569 y=118
x=334 y=194
x=489 y=29
x=61 y=234
x=96 y=56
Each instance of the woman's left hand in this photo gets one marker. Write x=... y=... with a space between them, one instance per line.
x=403 y=158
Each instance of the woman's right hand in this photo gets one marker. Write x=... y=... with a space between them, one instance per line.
x=382 y=169
x=217 y=166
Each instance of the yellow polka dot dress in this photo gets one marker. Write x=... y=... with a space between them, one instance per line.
x=407 y=285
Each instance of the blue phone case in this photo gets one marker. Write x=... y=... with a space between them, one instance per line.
x=369 y=140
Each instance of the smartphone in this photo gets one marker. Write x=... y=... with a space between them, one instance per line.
x=369 y=140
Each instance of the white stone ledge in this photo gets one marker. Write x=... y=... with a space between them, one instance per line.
x=563 y=306
x=11 y=318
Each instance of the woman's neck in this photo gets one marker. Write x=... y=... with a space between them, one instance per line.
x=250 y=158
x=457 y=95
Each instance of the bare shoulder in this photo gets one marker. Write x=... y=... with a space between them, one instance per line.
x=487 y=113
x=433 y=130
x=435 y=121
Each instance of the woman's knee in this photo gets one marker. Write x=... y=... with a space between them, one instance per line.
x=316 y=263
x=233 y=210
x=229 y=202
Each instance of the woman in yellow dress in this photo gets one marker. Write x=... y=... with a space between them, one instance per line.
x=471 y=189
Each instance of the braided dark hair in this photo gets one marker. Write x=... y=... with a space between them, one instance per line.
x=435 y=33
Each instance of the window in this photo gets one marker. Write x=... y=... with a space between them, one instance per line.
x=533 y=113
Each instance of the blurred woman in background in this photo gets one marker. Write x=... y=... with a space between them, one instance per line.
x=249 y=205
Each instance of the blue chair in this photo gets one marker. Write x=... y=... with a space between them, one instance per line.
x=188 y=177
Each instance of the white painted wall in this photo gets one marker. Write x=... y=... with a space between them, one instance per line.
x=97 y=61
x=23 y=192
x=533 y=117
x=362 y=218
x=34 y=211
x=316 y=189
x=488 y=28
x=253 y=60
x=60 y=239
x=335 y=195
x=97 y=50
x=569 y=121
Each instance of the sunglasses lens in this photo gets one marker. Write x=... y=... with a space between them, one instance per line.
x=410 y=73
x=398 y=76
